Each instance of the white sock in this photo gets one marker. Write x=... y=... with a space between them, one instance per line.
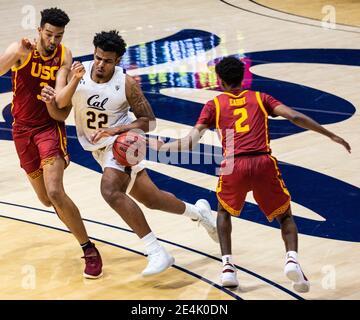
x=151 y=243
x=291 y=255
x=227 y=259
x=191 y=211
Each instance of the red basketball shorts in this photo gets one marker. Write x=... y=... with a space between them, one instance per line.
x=40 y=146
x=259 y=174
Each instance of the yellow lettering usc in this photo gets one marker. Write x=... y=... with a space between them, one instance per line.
x=43 y=72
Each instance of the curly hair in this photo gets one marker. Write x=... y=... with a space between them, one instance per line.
x=54 y=16
x=110 y=41
x=231 y=71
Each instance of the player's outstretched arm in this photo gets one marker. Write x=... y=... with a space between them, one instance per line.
x=183 y=144
x=306 y=122
x=14 y=54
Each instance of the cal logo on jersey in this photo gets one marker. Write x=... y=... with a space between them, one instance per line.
x=95 y=103
x=43 y=72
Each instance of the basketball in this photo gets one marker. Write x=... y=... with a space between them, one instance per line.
x=129 y=148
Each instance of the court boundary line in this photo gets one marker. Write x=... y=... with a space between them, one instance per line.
x=213 y=284
x=298 y=15
x=251 y=273
x=282 y=19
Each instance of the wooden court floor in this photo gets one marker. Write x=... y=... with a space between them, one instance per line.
x=292 y=57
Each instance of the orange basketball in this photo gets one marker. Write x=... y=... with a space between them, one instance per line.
x=129 y=148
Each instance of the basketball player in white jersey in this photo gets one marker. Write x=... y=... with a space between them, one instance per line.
x=101 y=95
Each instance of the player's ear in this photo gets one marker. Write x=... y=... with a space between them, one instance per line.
x=117 y=61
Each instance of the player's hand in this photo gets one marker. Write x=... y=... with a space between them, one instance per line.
x=48 y=94
x=341 y=141
x=78 y=69
x=25 y=47
x=154 y=144
x=101 y=133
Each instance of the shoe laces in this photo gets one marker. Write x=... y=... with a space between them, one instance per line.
x=228 y=267
x=91 y=258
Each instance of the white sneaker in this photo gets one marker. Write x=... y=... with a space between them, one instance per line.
x=207 y=220
x=228 y=276
x=159 y=261
x=293 y=271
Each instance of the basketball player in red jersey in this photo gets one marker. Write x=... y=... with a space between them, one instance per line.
x=40 y=141
x=241 y=118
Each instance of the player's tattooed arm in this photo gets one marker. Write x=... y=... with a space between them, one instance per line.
x=145 y=118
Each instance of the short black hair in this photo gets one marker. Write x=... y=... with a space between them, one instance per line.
x=54 y=16
x=110 y=41
x=231 y=71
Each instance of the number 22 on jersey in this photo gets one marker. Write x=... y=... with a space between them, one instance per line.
x=96 y=121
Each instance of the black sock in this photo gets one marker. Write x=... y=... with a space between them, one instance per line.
x=87 y=245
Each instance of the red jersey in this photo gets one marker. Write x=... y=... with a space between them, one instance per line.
x=241 y=118
x=28 y=80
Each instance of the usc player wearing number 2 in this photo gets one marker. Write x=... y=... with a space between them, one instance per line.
x=241 y=118
x=40 y=140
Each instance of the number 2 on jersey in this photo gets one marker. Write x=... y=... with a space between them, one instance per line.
x=243 y=116
x=101 y=119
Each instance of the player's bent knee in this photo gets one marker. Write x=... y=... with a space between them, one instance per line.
x=45 y=201
x=56 y=196
x=223 y=220
x=112 y=196
x=222 y=213
x=285 y=217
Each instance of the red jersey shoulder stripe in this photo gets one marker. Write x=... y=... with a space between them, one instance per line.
x=262 y=107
